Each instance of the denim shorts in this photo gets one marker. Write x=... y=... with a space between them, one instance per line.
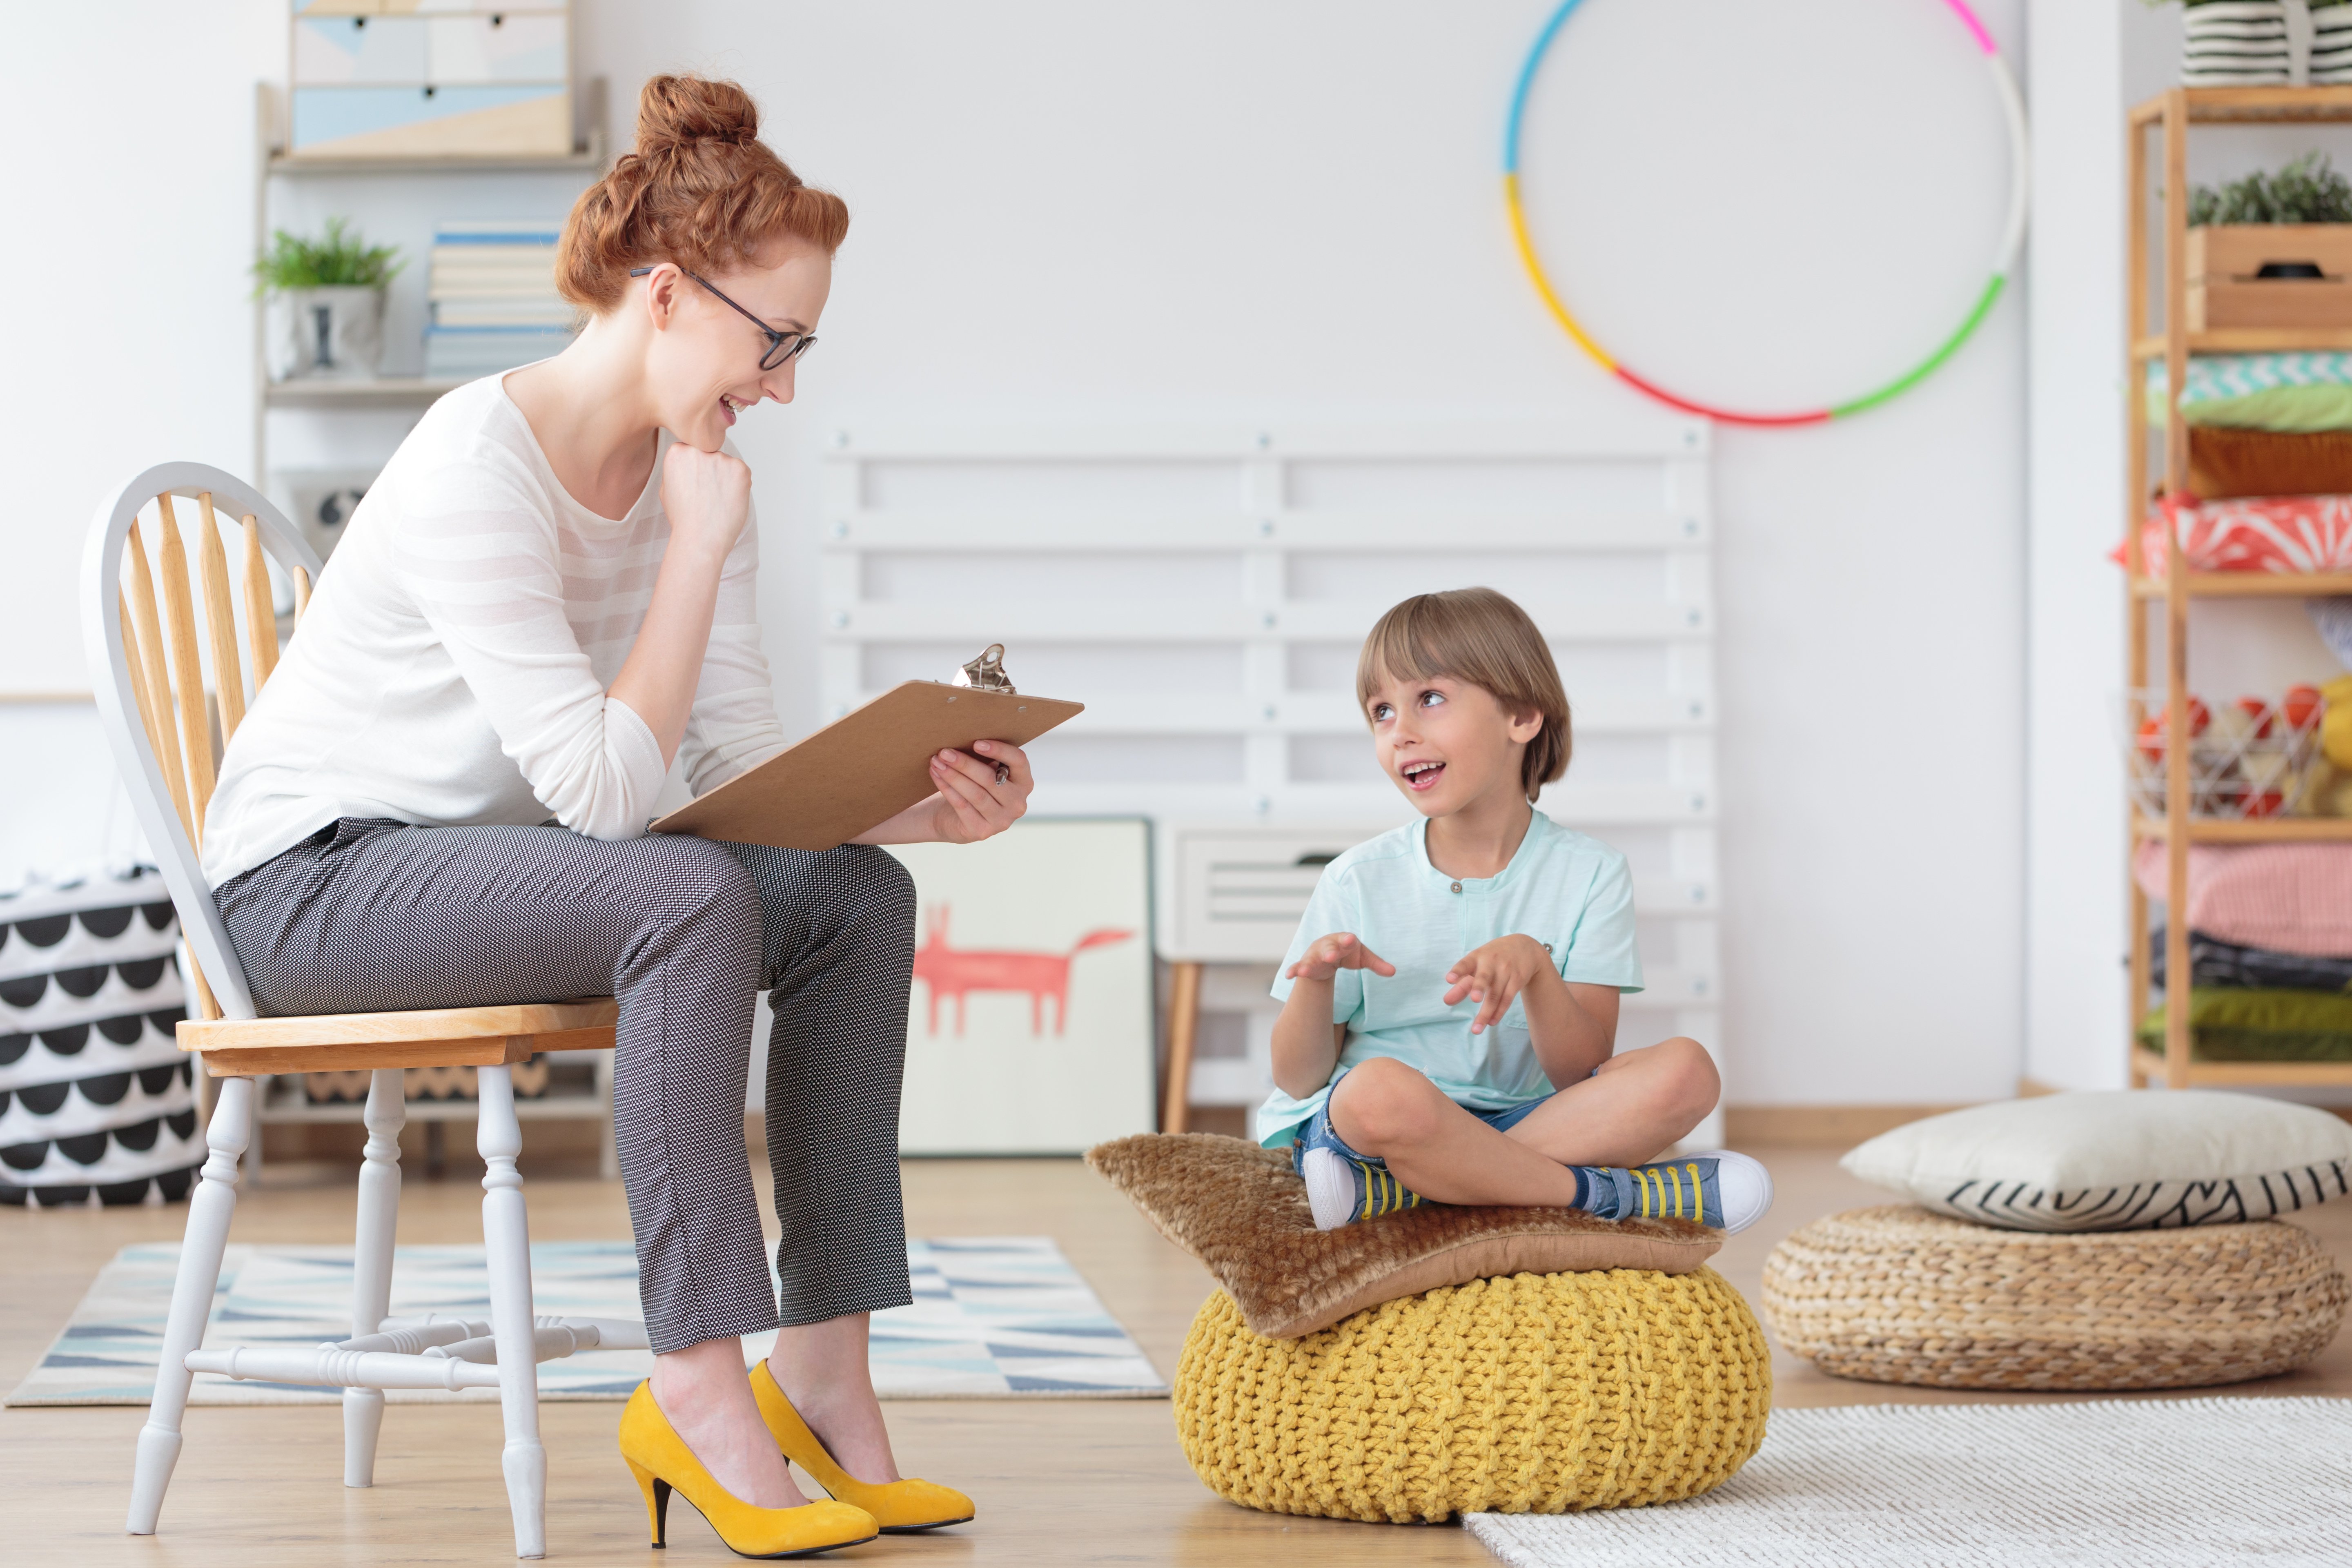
x=1317 y=1131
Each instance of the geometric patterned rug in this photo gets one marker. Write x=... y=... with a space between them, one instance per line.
x=992 y=1318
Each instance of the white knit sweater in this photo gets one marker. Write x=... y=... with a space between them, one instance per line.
x=452 y=666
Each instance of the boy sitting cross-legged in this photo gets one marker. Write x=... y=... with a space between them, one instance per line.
x=1449 y=1021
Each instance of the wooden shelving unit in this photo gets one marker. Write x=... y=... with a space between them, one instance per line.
x=588 y=158
x=2166 y=337
x=583 y=1091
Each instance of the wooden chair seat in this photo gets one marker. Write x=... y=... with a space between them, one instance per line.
x=442 y=1037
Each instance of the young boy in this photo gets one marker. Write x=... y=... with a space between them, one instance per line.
x=1449 y=1021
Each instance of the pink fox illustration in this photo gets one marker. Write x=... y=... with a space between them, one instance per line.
x=947 y=972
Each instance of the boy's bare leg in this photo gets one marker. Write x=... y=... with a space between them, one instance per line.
x=1438 y=1149
x=1638 y=1104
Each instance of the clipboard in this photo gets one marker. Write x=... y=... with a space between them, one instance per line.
x=868 y=765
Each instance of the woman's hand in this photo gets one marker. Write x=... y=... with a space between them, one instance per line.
x=979 y=798
x=707 y=496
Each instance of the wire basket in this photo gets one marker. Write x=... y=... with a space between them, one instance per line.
x=2248 y=758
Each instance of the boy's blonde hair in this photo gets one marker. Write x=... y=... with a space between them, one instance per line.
x=1478 y=635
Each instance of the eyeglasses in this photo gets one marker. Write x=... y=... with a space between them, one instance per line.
x=782 y=347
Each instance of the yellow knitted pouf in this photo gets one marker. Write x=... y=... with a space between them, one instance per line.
x=1528 y=1393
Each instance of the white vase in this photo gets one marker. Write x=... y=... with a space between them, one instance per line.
x=336 y=333
x=2234 y=43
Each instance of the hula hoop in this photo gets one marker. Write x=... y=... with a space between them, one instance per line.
x=2012 y=236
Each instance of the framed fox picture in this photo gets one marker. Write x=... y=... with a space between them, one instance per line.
x=1030 y=1027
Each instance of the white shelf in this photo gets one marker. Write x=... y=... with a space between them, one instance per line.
x=568 y=1099
x=381 y=391
x=589 y=159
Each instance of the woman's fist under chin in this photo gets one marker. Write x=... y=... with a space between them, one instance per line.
x=706 y=495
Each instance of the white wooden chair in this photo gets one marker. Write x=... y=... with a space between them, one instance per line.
x=150 y=679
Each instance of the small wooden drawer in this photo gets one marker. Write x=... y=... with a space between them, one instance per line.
x=2226 y=288
x=435 y=50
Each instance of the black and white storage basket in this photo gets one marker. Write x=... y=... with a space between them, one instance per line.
x=2234 y=43
x=97 y=1102
x=2331 y=44
x=2267 y=43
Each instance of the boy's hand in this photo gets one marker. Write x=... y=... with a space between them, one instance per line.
x=1495 y=974
x=1329 y=954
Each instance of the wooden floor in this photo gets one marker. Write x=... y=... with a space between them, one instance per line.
x=1075 y=1481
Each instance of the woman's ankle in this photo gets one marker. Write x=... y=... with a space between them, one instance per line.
x=709 y=1405
x=844 y=1415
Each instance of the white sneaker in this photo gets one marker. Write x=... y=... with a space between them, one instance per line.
x=1342 y=1191
x=1743 y=1188
x=1716 y=1187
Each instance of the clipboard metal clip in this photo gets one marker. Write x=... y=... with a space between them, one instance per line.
x=985 y=673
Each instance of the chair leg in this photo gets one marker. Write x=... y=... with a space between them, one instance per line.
x=506 y=1238
x=378 y=1220
x=210 y=1208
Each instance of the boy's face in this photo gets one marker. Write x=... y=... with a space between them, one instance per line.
x=1445 y=742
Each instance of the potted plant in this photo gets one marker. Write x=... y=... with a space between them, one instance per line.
x=2271 y=250
x=325 y=303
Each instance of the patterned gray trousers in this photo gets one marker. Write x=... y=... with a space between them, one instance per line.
x=369 y=915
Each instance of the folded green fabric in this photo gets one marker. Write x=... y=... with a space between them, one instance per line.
x=2292 y=394
x=2231 y=1023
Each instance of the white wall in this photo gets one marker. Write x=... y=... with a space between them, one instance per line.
x=2075 y=925
x=1231 y=209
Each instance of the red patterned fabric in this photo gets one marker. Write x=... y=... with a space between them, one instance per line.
x=2287 y=534
x=2288 y=898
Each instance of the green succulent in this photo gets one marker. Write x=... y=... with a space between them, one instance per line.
x=339 y=259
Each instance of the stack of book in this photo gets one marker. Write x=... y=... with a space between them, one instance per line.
x=493 y=297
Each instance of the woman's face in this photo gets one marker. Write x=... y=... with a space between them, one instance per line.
x=703 y=362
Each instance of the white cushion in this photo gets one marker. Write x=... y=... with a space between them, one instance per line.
x=2121 y=1160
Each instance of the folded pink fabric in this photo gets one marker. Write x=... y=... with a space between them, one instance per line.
x=2289 y=898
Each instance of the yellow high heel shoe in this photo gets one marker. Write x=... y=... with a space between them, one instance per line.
x=899 y=1508
x=662 y=1463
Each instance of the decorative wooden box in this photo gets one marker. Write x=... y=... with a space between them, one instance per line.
x=2309 y=280
x=430 y=78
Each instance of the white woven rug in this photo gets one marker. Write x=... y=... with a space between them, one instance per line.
x=2174 y=1483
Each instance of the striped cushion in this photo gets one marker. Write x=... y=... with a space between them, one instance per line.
x=2117 y=1159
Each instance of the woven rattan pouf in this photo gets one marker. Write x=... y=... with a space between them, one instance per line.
x=1534 y=1393
x=1900 y=1295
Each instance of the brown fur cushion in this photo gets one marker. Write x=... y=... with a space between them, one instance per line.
x=1242 y=1211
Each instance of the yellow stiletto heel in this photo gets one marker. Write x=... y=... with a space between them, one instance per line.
x=657 y=1492
x=899 y=1508
x=662 y=1464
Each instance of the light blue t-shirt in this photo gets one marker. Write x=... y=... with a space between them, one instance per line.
x=1570 y=893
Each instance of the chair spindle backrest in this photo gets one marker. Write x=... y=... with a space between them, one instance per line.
x=163 y=673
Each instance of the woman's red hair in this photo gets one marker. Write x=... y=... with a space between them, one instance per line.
x=699 y=189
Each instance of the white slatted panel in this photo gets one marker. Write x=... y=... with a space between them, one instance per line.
x=1204 y=589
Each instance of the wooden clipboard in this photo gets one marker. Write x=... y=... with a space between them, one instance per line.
x=867 y=766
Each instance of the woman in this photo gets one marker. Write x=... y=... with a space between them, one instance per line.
x=439 y=801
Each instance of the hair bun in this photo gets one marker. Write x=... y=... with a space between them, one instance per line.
x=675 y=111
x=699 y=189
